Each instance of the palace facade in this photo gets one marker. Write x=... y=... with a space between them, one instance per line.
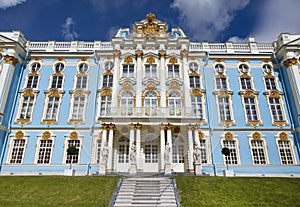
x=147 y=89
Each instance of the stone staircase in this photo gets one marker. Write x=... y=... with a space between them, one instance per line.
x=146 y=192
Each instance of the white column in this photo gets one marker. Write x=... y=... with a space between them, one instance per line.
x=139 y=79
x=196 y=135
x=116 y=78
x=103 y=140
x=5 y=79
x=169 y=140
x=162 y=76
x=186 y=80
x=110 y=147
x=190 y=147
x=138 y=145
x=162 y=147
x=131 y=135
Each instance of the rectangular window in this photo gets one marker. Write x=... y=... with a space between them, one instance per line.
x=32 y=81
x=128 y=71
x=52 y=108
x=57 y=82
x=105 y=106
x=285 y=152
x=45 y=150
x=78 y=108
x=123 y=153
x=276 y=109
x=203 y=151
x=74 y=159
x=151 y=153
x=98 y=151
x=270 y=84
x=151 y=71
x=221 y=83
x=197 y=106
x=224 y=109
x=81 y=82
x=258 y=152
x=178 y=153
x=26 y=107
x=107 y=81
x=194 y=81
x=250 y=108
x=232 y=158
x=173 y=71
x=246 y=83
x=17 y=152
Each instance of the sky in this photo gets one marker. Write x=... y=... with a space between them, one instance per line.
x=201 y=20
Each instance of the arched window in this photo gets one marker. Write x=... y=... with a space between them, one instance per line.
x=127 y=103
x=174 y=103
x=150 y=103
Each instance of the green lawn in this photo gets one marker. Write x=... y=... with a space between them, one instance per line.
x=56 y=191
x=237 y=191
x=194 y=191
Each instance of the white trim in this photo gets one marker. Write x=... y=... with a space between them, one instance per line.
x=66 y=142
x=265 y=148
x=10 y=149
x=237 y=148
x=292 y=147
x=36 y=157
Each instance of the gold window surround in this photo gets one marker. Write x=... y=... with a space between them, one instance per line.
x=150 y=89
x=73 y=135
x=19 y=134
x=181 y=96
x=46 y=135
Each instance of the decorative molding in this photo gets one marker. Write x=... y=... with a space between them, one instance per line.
x=49 y=121
x=19 y=134
x=108 y=72
x=279 y=123
x=139 y=54
x=197 y=92
x=274 y=94
x=127 y=86
x=256 y=136
x=169 y=126
x=283 y=136
x=138 y=126
x=79 y=93
x=37 y=58
x=227 y=123
x=46 y=135
x=162 y=54
x=131 y=126
x=290 y=62
x=151 y=28
x=8 y=58
x=73 y=135
x=184 y=53
x=106 y=92
x=83 y=58
x=150 y=60
x=128 y=60
x=223 y=94
x=245 y=75
x=54 y=93
x=111 y=126
x=201 y=134
x=117 y=53
x=194 y=73
x=229 y=136
x=174 y=85
x=219 y=60
x=266 y=60
x=173 y=60
x=60 y=59
x=22 y=121
x=28 y=92
x=243 y=60
x=104 y=126
x=75 y=121
x=254 y=123
x=151 y=86
x=249 y=94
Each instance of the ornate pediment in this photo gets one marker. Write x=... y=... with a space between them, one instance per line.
x=151 y=27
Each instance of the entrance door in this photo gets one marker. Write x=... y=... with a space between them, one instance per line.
x=178 y=154
x=151 y=154
x=122 y=155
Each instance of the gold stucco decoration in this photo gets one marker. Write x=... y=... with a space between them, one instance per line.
x=138 y=126
x=111 y=126
x=28 y=93
x=274 y=94
x=46 y=135
x=49 y=121
x=283 y=136
x=150 y=60
x=228 y=136
x=173 y=60
x=151 y=27
x=256 y=135
x=60 y=59
x=253 y=123
x=139 y=54
x=169 y=126
x=279 y=123
x=201 y=134
x=174 y=85
x=162 y=54
x=219 y=60
x=74 y=135
x=83 y=58
x=22 y=121
x=223 y=94
x=243 y=60
x=106 y=92
x=128 y=60
x=19 y=134
x=290 y=62
x=117 y=53
x=54 y=93
x=196 y=92
x=184 y=53
x=249 y=94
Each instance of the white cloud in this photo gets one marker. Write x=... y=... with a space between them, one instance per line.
x=275 y=17
x=4 y=4
x=236 y=39
x=206 y=19
x=67 y=32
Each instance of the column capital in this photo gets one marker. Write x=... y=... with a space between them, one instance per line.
x=184 y=53
x=189 y=127
x=169 y=126
x=104 y=126
x=139 y=54
x=131 y=126
x=138 y=126
x=196 y=127
x=8 y=58
x=111 y=126
x=290 y=62
x=201 y=134
x=162 y=54
x=117 y=53
x=162 y=127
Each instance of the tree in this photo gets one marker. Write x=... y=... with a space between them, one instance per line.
x=72 y=150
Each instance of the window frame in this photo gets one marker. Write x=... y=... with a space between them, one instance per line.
x=66 y=146
x=173 y=71
x=263 y=147
x=38 y=148
x=291 y=148
x=21 y=103
x=80 y=113
x=46 y=107
x=11 y=150
x=251 y=105
x=234 y=139
x=128 y=70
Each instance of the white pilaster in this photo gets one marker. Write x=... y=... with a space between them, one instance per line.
x=186 y=80
x=162 y=75
x=110 y=147
x=103 y=140
x=138 y=145
x=169 y=141
x=196 y=135
x=139 y=78
x=190 y=147
x=162 y=147
x=116 y=78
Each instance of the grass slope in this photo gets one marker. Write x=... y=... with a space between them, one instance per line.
x=56 y=191
x=239 y=192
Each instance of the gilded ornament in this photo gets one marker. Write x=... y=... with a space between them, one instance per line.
x=189 y=127
x=139 y=54
x=15 y=61
x=202 y=121
x=174 y=85
x=150 y=60
x=256 y=135
x=219 y=60
x=227 y=123
x=46 y=135
x=194 y=73
x=173 y=60
x=266 y=60
x=245 y=75
x=151 y=28
x=223 y=94
x=132 y=126
x=37 y=58
x=1 y=49
x=74 y=135
x=274 y=94
x=268 y=75
x=253 y=123
x=49 y=121
x=162 y=127
x=290 y=62
x=28 y=93
x=79 y=93
x=83 y=58
x=117 y=53
x=106 y=92
x=75 y=121
x=201 y=134
x=184 y=53
x=8 y=58
x=138 y=126
x=283 y=136
x=127 y=86
x=128 y=60
x=162 y=54
x=169 y=126
x=54 y=93
x=19 y=134
x=249 y=94
x=151 y=86
x=228 y=136
x=196 y=92
x=22 y=121
x=112 y=126
x=108 y=72
x=60 y=59
x=279 y=123
x=104 y=126
x=243 y=60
